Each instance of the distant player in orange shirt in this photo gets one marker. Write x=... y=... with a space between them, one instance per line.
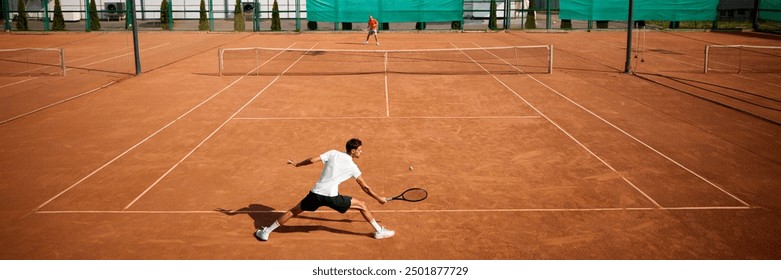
x=372 y=30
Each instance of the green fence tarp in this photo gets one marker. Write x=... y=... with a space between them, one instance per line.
x=385 y=10
x=674 y=10
x=770 y=10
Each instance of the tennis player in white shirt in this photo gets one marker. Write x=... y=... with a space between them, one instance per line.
x=339 y=167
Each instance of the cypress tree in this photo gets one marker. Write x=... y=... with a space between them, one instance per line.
x=238 y=17
x=94 y=20
x=276 y=25
x=203 y=22
x=21 y=19
x=164 y=15
x=531 y=22
x=59 y=20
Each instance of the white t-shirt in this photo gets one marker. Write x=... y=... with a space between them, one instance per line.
x=339 y=167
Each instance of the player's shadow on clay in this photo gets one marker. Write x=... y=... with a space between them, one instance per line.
x=263 y=216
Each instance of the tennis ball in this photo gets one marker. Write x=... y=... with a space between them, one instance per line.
x=410 y=168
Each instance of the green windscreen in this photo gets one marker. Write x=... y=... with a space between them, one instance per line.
x=385 y=10
x=674 y=10
x=770 y=10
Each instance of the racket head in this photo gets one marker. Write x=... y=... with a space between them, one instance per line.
x=413 y=195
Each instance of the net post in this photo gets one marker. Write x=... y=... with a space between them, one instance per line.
x=219 y=61
x=740 y=59
x=550 y=59
x=257 y=62
x=62 y=61
x=707 y=53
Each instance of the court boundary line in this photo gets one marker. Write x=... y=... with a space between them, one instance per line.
x=75 y=96
x=746 y=206
x=57 y=103
x=370 y=118
x=643 y=143
x=117 y=56
x=387 y=99
x=631 y=137
x=534 y=210
x=214 y=132
x=19 y=82
x=562 y=129
x=134 y=147
x=138 y=144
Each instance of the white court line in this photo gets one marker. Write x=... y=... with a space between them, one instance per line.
x=214 y=132
x=387 y=102
x=19 y=82
x=369 y=118
x=138 y=144
x=72 y=61
x=57 y=103
x=531 y=210
x=73 y=97
x=133 y=147
x=565 y=131
x=642 y=143
x=636 y=140
x=742 y=76
x=118 y=56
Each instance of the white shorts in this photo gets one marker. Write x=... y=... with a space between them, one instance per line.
x=372 y=31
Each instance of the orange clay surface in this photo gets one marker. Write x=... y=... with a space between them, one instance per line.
x=583 y=163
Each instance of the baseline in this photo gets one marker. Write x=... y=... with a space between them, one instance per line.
x=685 y=208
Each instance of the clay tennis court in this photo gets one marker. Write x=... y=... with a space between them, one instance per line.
x=583 y=163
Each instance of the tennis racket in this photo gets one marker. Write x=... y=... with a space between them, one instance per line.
x=410 y=195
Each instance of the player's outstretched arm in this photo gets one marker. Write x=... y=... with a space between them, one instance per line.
x=369 y=190
x=304 y=162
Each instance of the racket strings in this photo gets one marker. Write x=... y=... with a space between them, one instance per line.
x=415 y=195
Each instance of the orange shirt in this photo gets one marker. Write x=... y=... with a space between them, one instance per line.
x=373 y=23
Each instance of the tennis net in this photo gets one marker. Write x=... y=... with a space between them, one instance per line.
x=454 y=61
x=32 y=62
x=742 y=58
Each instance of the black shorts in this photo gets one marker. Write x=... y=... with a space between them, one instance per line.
x=312 y=201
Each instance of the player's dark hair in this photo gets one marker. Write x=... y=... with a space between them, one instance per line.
x=352 y=144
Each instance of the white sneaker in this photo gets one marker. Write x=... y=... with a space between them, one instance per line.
x=384 y=233
x=367 y=42
x=378 y=43
x=262 y=234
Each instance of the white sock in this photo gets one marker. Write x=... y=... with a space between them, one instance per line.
x=272 y=227
x=376 y=226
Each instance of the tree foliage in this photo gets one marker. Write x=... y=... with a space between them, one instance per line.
x=238 y=17
x=276 y=24
x=21 y=19
x=59 y=20
x=203 y=21
x=94 y=19
x=165 y=16
x=531 y=21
